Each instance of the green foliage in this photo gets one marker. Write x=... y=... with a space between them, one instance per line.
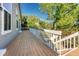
x=24 y=20
x=45 y=25
x=33 y=22
x=62 y=15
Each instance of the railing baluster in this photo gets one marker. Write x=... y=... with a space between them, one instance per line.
x=56 y=41
x=67 y=43
x=64 y=44
x=78 y=40
x=60 y=44
x=49 y=44
x=70 y=43
x=51 y=41
x=74 y=42
x=55 y=38
x=57 y=46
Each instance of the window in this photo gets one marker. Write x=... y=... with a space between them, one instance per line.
x=16 y=23
x=6 y=18
x=0 y=8
x=7 y=21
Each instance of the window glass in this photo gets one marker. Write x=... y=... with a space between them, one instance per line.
x=16 y=23
x=7 y=21
x=0 y=4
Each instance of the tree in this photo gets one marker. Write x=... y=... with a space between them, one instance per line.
x=63 y=15
x=24 y=21
x=33 y=21
x=45 y=25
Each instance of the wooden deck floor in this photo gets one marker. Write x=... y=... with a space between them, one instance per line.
x=26 y=44
x=74 y=53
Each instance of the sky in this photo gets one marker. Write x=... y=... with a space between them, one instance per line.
x=33 y=9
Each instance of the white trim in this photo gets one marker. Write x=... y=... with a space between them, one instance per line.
x=5 y=32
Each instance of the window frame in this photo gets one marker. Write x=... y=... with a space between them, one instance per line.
x=3 y=32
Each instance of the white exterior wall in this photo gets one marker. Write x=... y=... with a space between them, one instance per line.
x=5 y=39
x=0 y=4
x=0 y=21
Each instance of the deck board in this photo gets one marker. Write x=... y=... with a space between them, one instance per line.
x=74 y=53
x=26 y=44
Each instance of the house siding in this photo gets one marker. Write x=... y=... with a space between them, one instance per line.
x=0 y=4
x=0 y=22
x=7 y=38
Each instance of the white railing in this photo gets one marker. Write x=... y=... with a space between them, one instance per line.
x=54 y=40
x=66 y=43
x=35 y=32
x=55 y=37
x=69 y=42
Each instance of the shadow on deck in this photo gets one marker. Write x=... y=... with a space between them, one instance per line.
x=26 y=44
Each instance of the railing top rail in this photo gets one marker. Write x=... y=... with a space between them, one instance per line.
x=53 y=32
x=71 y=35
x=68 y=37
